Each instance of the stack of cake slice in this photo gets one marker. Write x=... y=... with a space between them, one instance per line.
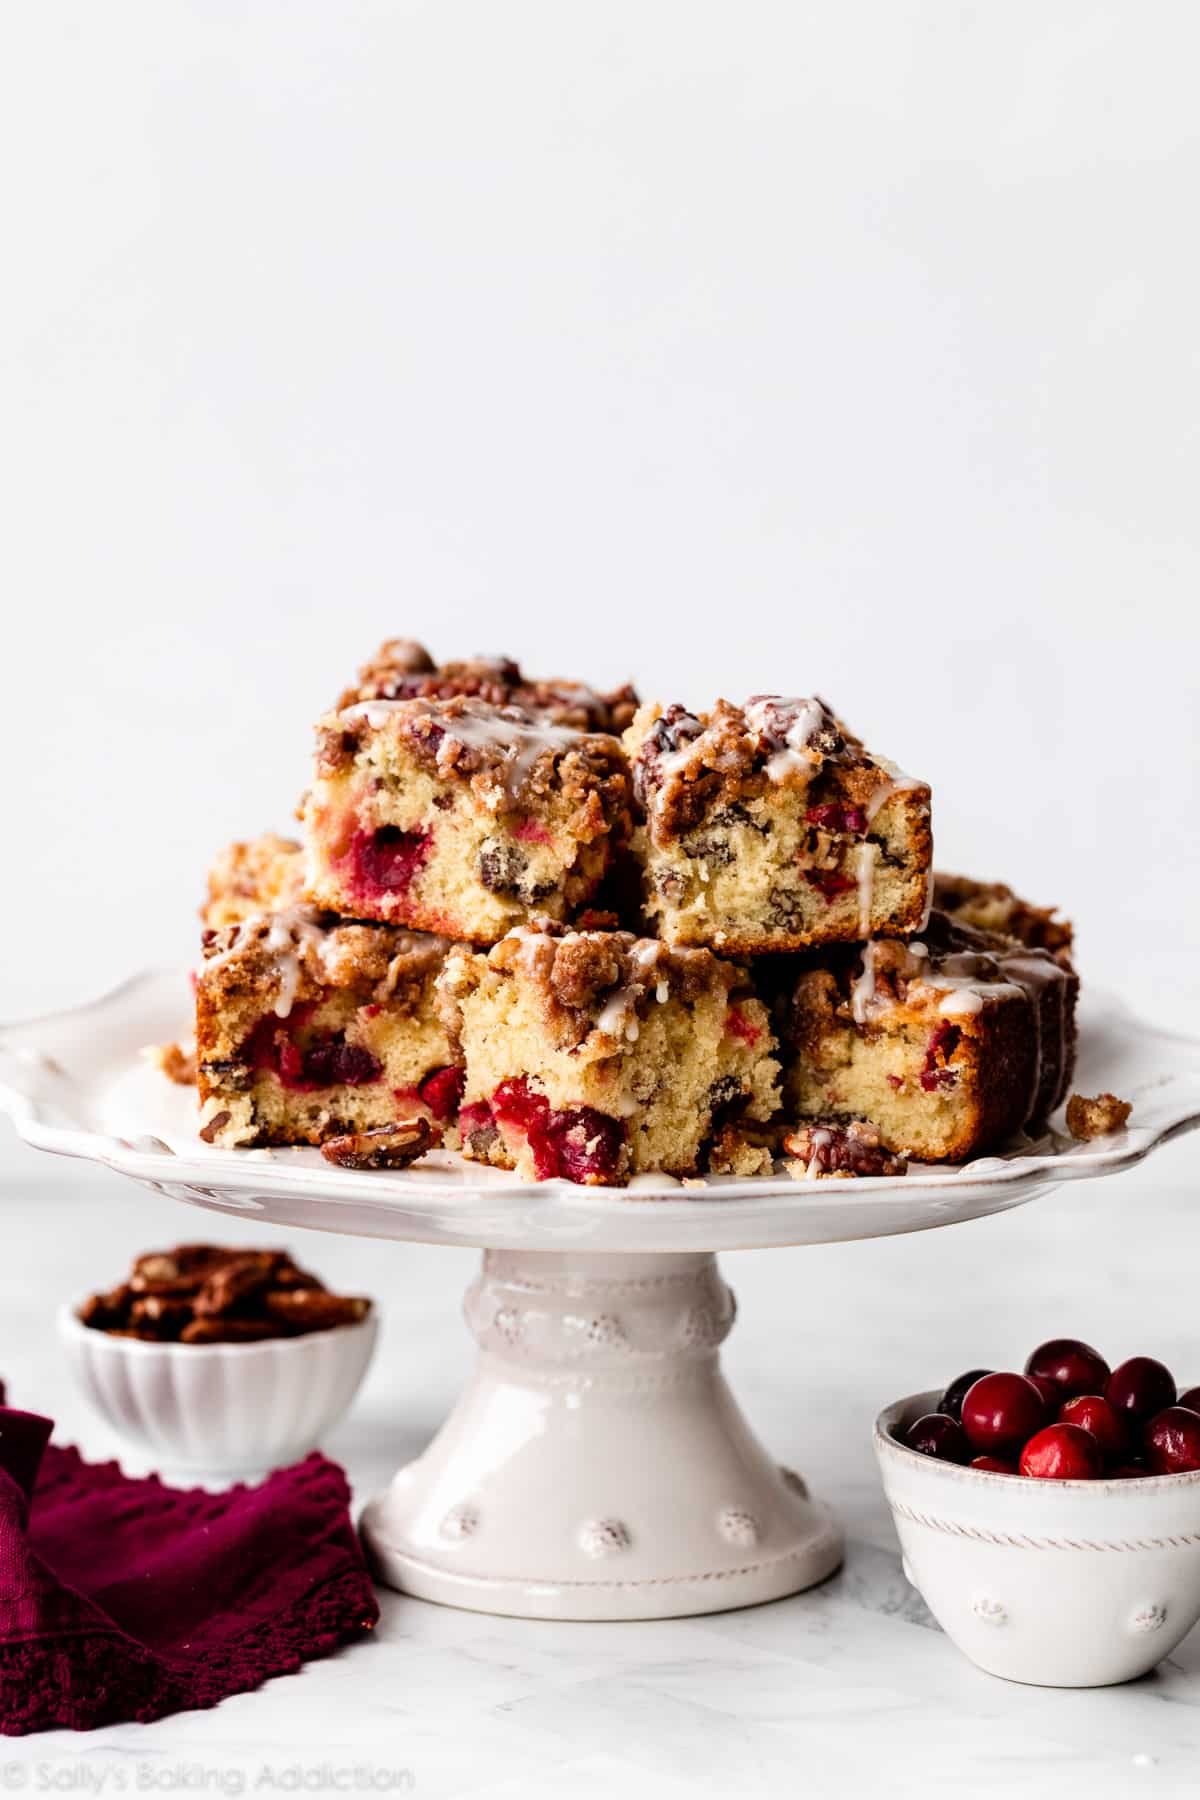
x=588 y=940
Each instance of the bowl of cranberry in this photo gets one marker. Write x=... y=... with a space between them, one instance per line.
x=1051 y=1519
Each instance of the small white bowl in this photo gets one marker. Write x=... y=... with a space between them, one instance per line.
x=1058 y=1583
x=227 y=1409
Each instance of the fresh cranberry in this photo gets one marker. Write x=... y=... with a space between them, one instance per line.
x=942 y=1046
x=936 y=1435
x=951 y=1401
x=1140 y=1388
x=1062 y=1453
x=1000 y=1411
x=996 y=1464
x=1074 y=1368
x=332 y=1062
x=1128 y=1472
x=1172 y=1441
x=578 y=1144
x=386 y=861
x=832 y=817
x=442 y=1092
x=532 y=831
x=1094 y=1413
x=742 y=1027
x=1191 y=1399
x=829 y=883
x=516 y=1103
x=1049 y=1390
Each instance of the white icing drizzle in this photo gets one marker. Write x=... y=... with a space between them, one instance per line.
x=864 y=874
x=862 y=994
x=795 y=754
x=478 y=726
x=821 y=1139
x=618 y=1016
x=289 y=933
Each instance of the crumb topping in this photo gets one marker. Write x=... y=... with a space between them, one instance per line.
x=1093 y=1118
x=686 y=765
x=839 y=1147
x=404 y=670
x=993 y=906
x=299 y=949
x=494 y=746
x=260 y=876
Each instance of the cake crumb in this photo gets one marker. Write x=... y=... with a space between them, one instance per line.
x=175 y=1061
x=1087 y=1119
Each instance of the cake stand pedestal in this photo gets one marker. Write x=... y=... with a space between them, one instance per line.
x=597 y=1465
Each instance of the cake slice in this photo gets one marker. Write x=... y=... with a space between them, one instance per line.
x=460 y=817
x=594 y=1056
x=403 y=670
x=949 y=1043
x=308 y=1026
x=769 y=827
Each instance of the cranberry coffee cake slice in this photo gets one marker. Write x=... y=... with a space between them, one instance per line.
x=948 y=1044
x=594 y=1056
x=769 y=827
x=460 y=817
x=308 y=1026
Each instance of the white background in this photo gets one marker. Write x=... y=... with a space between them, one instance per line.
x=835 y=347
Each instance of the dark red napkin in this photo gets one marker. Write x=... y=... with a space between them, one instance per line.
x=126 y=1599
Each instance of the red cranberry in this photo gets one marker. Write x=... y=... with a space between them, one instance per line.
x=942 y=1046
x=442 y=1092
x=1049 y=1390
x=578 y=1144
x=1172 y=1441
x=1062 y=1453
x=386 y=861
x=1001 y=1411
x=1074 y=1368
x=1140 y=1388
x=829 y=883
x=996 y=1464
x=951 y=1401
x=742 y=1027
x=833 y=817
x=1094 y=1414
x=516 y=1103
x=1191 y=1400
x=1128 y=1472
x=936 y=1435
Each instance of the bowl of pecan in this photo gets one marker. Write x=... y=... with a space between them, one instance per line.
x=217 y=1360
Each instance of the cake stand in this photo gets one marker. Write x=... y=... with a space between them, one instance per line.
x=597 y=1465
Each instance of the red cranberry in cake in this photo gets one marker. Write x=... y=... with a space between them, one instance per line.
x=1073 y=1367
x=404 y=670
x=308 y=1027
x=461 y=817
x=592 y=1056
x=769 y=827
x=949 y=1043
x=1001 y=1411
x=1062 y=1453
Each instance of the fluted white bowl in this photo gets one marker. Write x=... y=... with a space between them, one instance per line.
x=1058 y=1583
x=221 y=1408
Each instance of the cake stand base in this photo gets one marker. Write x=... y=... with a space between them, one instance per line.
x=597 y=1465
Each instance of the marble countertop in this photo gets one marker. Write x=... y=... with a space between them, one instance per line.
x=847 y=1688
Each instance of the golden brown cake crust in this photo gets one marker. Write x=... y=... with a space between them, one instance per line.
x=404 y=670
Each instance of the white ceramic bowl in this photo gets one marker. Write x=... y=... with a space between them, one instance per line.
x=221 y=1408
x=1059 y=1583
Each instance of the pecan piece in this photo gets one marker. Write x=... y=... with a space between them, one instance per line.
x=842 y=1147
x=383 y=1146
x=304 y=1309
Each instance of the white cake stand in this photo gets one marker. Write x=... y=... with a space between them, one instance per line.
x=597 y=1465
